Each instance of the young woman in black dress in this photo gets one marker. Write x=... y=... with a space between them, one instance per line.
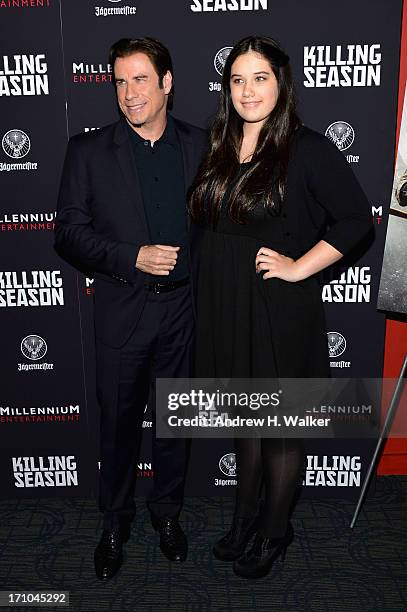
x=276 y=203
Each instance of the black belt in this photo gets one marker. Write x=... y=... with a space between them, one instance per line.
x=165 y=287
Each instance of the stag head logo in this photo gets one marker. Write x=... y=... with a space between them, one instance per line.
x=33 y=347
x=227 y=464
x=336 y=344
x=220 y=59
x=341 y=134
x=16 y=144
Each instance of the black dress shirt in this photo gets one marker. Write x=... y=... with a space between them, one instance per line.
x=161 y=174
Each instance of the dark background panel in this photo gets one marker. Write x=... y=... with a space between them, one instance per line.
x=42 y=117
x=71 y=32
x=26 y=245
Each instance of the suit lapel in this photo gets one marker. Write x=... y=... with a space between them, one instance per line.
x=187 y=148
x=125 y=159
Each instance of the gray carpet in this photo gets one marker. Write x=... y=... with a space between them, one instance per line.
x=49 y=543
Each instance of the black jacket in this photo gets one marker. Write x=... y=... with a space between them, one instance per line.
x=323 y=199
x=101 y=222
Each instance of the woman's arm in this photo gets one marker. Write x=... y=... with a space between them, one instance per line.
x=316 y=259
x=336 y=189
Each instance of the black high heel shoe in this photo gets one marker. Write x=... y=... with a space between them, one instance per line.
x=232 y=545
x=257 y=562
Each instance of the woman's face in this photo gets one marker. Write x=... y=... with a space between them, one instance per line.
x=253 y=87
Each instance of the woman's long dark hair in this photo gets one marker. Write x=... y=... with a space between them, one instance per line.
x=265 y=179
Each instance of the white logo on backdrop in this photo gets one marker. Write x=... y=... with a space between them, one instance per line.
x=220 y=59
x=336 y=344
x=333 y=471
x=353 y=285
x=16 y=144
x=341 y=134
x=213 y=6
x=353 y=65
x=103 y=11
x=51 y=471
x=33 y=347
x=227 y=464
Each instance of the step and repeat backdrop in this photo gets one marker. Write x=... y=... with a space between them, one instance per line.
x=55 y=81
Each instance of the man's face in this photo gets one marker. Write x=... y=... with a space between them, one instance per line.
x=140 y=97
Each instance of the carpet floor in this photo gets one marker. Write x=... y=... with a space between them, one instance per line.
x=49 y=543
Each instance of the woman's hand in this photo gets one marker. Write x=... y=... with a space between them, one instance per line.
x=316 y=259
x=276 y=265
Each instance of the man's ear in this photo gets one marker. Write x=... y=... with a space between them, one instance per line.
x=167 y=82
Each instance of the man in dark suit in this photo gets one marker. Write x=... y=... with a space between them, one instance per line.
x=122 y=217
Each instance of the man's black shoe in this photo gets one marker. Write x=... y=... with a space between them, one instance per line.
x=173 y=542
x=109 y=554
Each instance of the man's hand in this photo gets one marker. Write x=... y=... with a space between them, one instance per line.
x=157 y=259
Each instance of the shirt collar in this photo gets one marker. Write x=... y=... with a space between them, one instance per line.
x=169 y=136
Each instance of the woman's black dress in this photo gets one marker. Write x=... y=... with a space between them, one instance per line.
x=247 y=326
x=250 y=327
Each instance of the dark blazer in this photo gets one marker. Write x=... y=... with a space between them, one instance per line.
x=101 y=222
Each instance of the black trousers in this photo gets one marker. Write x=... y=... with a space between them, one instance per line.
x=160 y=347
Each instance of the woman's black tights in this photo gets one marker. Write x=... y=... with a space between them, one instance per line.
x=277 y=462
